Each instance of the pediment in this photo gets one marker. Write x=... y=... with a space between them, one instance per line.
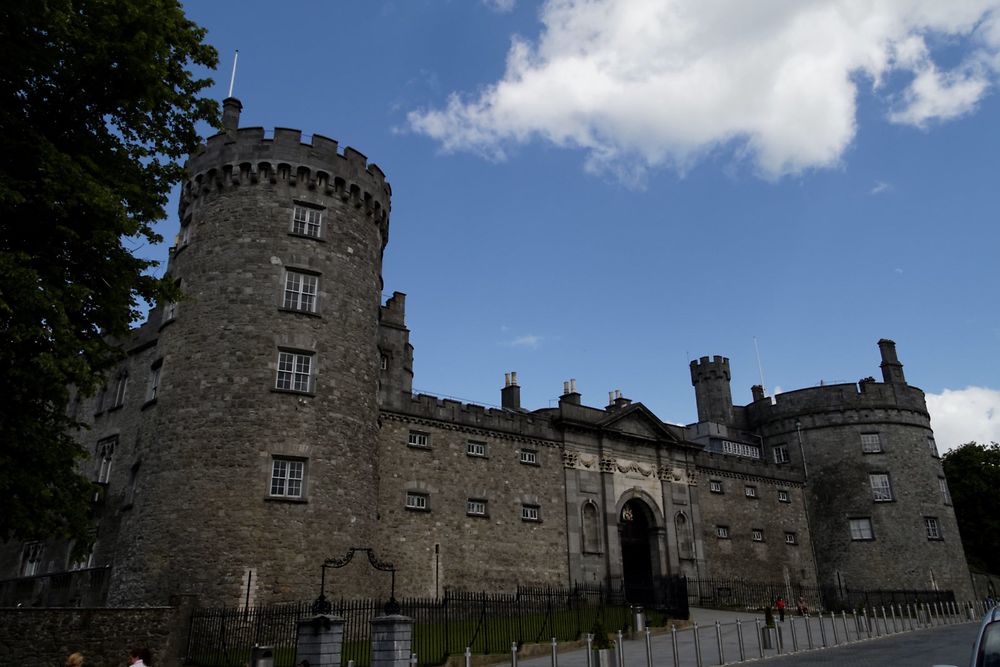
x=638 y=420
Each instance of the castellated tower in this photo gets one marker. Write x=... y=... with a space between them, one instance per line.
x=261 y=458
x=713 y=395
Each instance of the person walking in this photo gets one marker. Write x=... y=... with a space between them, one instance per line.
x=74 y=660
x=780 y=605
x=140 y=657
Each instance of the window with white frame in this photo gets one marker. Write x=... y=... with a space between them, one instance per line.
x=933 y=528
x=307 y=221
x=121 y=385
x=871 y=443
x=722 y=532
x=750 y=491
x=475 y=507
x=530 y=513
x=155 y=374
x=881 y=487
x=529 y=457
x=740 y=449
x=31 y=559
x=945 y=493
x=83 y=562
x=757 y=535
x=783 y=496
x=418 y=439
x=861 y=529
x=300 y=291
x=780 y=454
x=416 y=501
x=294 y=371
x=932 y=446
x=383 y=362
x=287 y=477
x=105 y=453
x=715 y=486
x=475 y=448
x=791 y=538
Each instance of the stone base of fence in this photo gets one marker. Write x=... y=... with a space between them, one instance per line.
x=320 y=641
x=392 y=637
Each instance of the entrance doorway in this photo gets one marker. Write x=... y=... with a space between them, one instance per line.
x=635 y=526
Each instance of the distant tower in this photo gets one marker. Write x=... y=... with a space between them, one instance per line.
x=712 y=391
x=262 y=434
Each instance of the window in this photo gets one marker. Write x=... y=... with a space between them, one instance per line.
x=780 y=454
x=307 y=221
x=294 y=371
x=529 y=513
x=750 y=491
x=529 y=457
x=932 y=446
x=85 y=561
x=715 y=486
x=300 y=291
x=287 y=476
x=170 y=307
x=722 y=532
x=591 y=529
x=871 y=443
x=945 y=494
x=783 y=496
x=474 y=507
x=933 y=528
x=757 y=535
x=418 y=439
x=861 y=529
x=473 y=448
x=31 y=557
x=383 y=362
x=740 y=449
x=881 y=487
x=120 y=386
x=416 y=501
x=105 y=452
x=791 y=538
x=155 y=372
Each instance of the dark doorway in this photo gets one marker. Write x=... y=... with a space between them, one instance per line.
x=635 y=527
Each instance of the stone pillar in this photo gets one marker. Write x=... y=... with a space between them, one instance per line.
x=391 y=641
x=320 y=640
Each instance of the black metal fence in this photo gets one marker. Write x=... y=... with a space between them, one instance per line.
x=488 y=623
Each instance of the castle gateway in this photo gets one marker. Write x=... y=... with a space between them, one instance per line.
x=267 y=422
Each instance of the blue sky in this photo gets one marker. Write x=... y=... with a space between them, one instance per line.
x=606 y=190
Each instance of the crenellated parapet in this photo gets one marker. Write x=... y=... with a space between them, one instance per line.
x=865 y=396
x=246 y=158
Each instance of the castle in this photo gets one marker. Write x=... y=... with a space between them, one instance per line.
x=266 y=422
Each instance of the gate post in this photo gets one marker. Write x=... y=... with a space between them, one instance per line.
x=320 y=641
x=392 y=637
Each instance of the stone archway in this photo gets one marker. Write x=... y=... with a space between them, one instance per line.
x=640 y=555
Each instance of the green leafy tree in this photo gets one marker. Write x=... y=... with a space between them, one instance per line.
x=973 y=473
x=97 y=108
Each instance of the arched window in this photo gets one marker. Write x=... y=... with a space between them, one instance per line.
x=591 y=529
x=684 y=546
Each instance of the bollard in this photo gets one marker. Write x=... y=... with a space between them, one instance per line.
x=847 y=632
x=779 y=639
x=739 y=639
x=833 y=624
x=621 y=650
x=909 y=615
x=885 y=619
x=892 y=610
x=673 y=643
x=468 y=657
x=555 y=653
x=513 y=654
x=760 y=640
x=697 y=646
x=718 y=641
x=791 y=627
x=822 y=631
x=350 y=663
x=649 y=648
x=413 y=659
x=809 y=633
x=590 y=650
x=878 y=628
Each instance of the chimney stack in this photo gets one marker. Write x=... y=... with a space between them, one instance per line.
x=231 y=108
x=570 y=394
x=510 y=395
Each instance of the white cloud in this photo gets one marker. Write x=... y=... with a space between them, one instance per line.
x=646 y=83
x=529 y=341
x=962 y=415
x=879 y=188
x=502 y=6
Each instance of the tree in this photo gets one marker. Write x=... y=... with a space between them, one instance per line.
x=97 y=107
x=973 y=473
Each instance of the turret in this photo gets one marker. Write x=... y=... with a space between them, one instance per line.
x=711 y=389
x=892 y=370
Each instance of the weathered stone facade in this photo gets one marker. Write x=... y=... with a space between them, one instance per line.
x=268 y=423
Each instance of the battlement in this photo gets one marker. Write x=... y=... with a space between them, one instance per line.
x=865 y=395
x=394 y=310
x=246 y=156
x=716 y=368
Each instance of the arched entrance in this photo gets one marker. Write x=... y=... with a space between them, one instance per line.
x=636 y=528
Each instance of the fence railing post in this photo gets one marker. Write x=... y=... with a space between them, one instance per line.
x=739 y=639
x=718 y=641
x=621 y=650
x=822 y=631
x=697 y=646
x=791 y=627
x=673 y=643
x=809 y=633
x=649 y=649
x=760 y=639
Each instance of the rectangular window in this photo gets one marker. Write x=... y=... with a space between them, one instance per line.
x=473 y=448
x=105 y=453
x=722 y=532
x=529 y=456
x=475 y=507
x=155 y=373
x=300 y=291
x=120 y=388
x=945 y=493
x=307 y=221
x=780 y=454
x=750 y=491
x=791 y=538
x=881 y=487
x=871 y=443
x=31 y=558
x=416 y=501
x=783 y=496
x=861 y=529
x=294 y=371
x=740 y=449
x=715 y=486
x=757 y=535
x=383 y=362
x=933 y=529
x=529 y=513
x=287 y=476
x=418 y=439
x=932 y=446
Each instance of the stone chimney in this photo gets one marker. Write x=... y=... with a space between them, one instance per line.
x=510 y=395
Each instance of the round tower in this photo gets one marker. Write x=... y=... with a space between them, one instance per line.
x=712 y=391
x=258 y=452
